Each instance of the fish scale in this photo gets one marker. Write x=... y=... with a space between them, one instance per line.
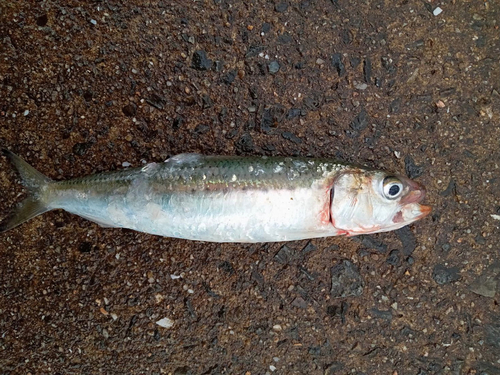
x=244 y=172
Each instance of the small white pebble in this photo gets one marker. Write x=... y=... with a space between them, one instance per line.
x=126 y=164
x=114 y=316
x=277 y=328
x=496 y=217
x=361 y=86
x=93 y=22
x=272 y=368
x=437 y=11
x=26 y=113
x=165 y=323
x=175 y=277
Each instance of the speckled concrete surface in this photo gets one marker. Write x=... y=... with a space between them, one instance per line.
x=87 y=86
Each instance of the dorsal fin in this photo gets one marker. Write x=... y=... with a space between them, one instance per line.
x=187 y=158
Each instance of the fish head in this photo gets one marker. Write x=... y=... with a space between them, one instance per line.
x=364 y=202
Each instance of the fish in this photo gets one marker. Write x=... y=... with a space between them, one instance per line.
x=230 y=198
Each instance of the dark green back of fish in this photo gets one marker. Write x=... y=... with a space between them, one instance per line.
x=192 y=172
x=212 y=172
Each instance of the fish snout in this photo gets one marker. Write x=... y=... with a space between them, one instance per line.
x=410 y=202
x=416 y=192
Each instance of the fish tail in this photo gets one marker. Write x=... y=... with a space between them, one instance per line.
x=34 y=204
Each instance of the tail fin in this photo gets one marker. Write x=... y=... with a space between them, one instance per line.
x=32 y=206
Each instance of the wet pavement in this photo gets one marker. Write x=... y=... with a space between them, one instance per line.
x=93 y=86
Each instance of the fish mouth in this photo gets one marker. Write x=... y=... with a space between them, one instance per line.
x=424 y=211
x=416 y=192
x=411 y=212
x=415 y=195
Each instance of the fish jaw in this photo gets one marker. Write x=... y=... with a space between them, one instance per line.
x=412 y=212
x=407 y=215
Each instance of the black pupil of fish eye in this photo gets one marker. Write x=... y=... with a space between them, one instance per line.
x=394 y=190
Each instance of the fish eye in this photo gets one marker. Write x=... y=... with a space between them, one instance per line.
x=393 y=187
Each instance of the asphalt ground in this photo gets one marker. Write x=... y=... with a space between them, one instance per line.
x=91 y=86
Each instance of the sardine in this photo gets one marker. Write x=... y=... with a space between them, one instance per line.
x=230 y=198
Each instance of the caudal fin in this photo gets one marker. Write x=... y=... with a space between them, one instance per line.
x=32 y=206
